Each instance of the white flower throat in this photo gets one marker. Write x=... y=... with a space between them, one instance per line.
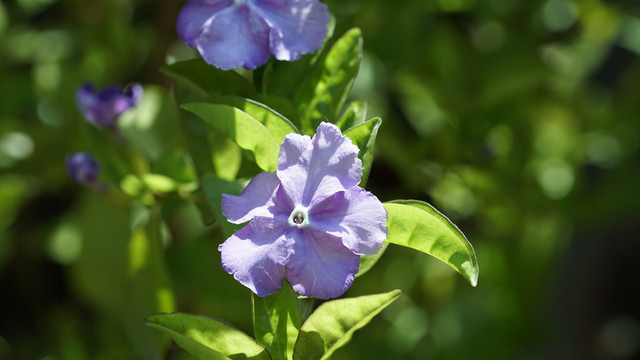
x=299 y=217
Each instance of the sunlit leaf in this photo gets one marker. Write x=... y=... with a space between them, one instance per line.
x=333 y=323
x=159 y=183
x=275 y=122
x=244 y=130
x=276 y=321
x=283 y=106
x=322 y=96
x=225 y=154
x=417 y=225
x=208 y=80
x=355 y=115
x=208 y=338
x=364 y=137
x=284 y=78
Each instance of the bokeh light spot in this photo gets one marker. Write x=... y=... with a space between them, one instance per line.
x=556 y=179
x=620 y=336
x=602 y=149
x=16 y=145
x=65 y=244
x=558 y=15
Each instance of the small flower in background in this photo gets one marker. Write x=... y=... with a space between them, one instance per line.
x=309 y=220
x=103 y=108
x=234 y=33
x=84 y=169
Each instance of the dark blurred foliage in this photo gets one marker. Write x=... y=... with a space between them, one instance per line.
x=518 y=119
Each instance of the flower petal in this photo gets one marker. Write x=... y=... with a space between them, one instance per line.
x=313 y=169
x=355 y=215
x=256 y=255
x=234 y=37
x=194 y=15
x=255 y=200
x=322 y=266
x=297 y=26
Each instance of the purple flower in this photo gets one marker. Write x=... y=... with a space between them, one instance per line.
x=83 y=169
x=309 y=220
x=103 y=108
x=233 y=33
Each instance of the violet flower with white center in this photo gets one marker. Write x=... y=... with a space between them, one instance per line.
x=83 y=169
x=309 y=221
x=103 y=108
x=234 y=33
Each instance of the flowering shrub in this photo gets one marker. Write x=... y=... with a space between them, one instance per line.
x=298 y=221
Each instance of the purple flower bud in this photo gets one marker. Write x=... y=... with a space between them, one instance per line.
x=233 y=33
x=103 y=108
x=83 y=169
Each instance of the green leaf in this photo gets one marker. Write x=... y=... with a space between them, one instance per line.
x=208 y=338
x=332 y=325
x=174 y=164
x=364 y=137
x=417 y=225
x=355 y=115
x=196 y=134
x=276 y=321
x=159 y=183
x=322 y=96
x=284 y=78
x=149 y=289
x=367 y=261
x=272 y=120
x=152 y=124
x=226 y=154
x=213 y=188
x=244 y=130
x=283 y=106
x=207 y=80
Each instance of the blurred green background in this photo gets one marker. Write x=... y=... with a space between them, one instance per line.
x=520 y=120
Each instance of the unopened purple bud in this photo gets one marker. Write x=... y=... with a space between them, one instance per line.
x=83 y=169
x=103 y=108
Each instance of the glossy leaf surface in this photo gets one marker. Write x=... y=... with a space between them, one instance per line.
x=417 y=225
x=364 y=137
x=333 y=323
x=208 y=338
x=243 y=129
x=322 y=96
x=276 y=321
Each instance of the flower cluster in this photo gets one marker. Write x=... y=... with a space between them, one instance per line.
x=309 y=221
x=234 y=33
x=103 y=108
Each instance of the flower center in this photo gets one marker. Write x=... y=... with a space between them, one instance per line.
x=299 y=217
x=239 y=2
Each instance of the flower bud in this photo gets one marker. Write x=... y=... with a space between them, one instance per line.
x=83 y=169
x=103 y=108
